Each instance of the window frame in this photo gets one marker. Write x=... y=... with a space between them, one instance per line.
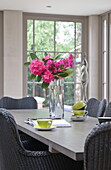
x=103 y=18
x=51 y=17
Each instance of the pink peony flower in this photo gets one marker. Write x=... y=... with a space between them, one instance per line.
x=49 y=69
x=51 y=66
x=70 y=60
x=57 y=64
x=66 y=62
x=48 y=77
x=37 y=67
x=61 y=68
x=60 y=65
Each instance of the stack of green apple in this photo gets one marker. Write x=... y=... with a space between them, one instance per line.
x=79 y=109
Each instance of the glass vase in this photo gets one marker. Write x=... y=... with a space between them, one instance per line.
x=56 y=99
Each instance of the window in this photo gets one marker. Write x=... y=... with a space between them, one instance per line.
x=105 y=57
x=55 y=36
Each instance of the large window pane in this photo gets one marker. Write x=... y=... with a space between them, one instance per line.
x=78 y=58
x=40 y=55
x=104 y=32
x=77 y=93
x=104 y=60
x=65 y=36
x=105 y=67
x=78 y=37
x=29 y=34
x=78 y=73
x=30 y=89
x=69 y=94
x=56 y=38
x=42 y=95
x=44 y=35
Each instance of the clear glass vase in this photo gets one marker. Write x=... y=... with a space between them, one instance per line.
x=56 y=99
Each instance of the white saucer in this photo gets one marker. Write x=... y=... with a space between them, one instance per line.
x=78 y=118
x=39 y=128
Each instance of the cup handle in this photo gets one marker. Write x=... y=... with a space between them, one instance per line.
x=50 y=122
x=86 y=113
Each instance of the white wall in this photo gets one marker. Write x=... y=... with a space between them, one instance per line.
x=1 y=54
x=13 y=54
x=94 y=60
x=110 y=60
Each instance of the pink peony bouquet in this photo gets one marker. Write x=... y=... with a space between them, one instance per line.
x=49 y=69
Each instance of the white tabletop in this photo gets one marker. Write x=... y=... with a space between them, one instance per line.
x=69 y=140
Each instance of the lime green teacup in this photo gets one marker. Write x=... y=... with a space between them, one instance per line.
x=79 y=106
x=44 y=123
x=79 y=112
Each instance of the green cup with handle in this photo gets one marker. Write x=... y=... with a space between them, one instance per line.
x=44 y=123
x=79 y=106
x=80 y=112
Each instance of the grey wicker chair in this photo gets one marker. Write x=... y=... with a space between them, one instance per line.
x=97 y=150
x=23 y=103
x=95 y=107
x=13 y=155
x=108 y=110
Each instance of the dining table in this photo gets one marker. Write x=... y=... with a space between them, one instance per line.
x=67 y=140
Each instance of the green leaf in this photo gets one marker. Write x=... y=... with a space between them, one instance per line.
x=69 y=71
x=56 y=77
x=45 y=61
x=45 y=54
x=57 y=57
x=51 y=58
x=63 y=74
x=33 y=56
x=27 y=64
x=39 y=78
x=62 y=67
x=32 y=76
x=29 y=59
x=45 y=85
